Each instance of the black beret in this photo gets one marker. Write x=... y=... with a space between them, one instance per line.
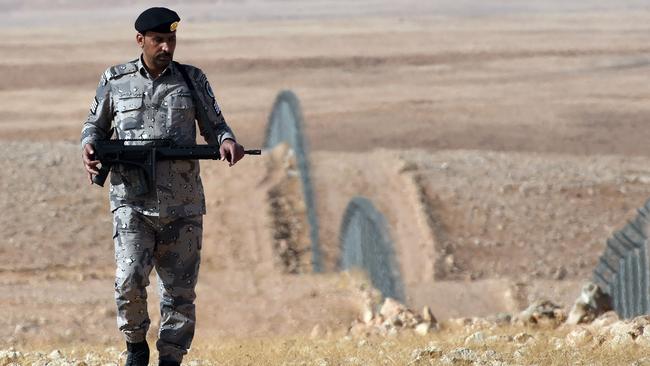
x=161 y=20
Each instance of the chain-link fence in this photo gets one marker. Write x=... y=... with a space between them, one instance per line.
x=622 y=271
x=285 y=125
x=366 y=244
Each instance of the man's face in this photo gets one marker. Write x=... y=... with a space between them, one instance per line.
x=157 y=48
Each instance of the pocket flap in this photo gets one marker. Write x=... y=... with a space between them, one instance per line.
x=180 y=101
x=125 y=104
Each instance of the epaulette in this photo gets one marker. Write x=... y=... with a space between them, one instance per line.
x=122 y=69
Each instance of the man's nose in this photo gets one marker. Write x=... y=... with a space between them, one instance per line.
x=165 y=46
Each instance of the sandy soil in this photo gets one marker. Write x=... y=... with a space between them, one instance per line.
x=502 y=145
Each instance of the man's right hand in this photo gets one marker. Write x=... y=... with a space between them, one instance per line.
x=89 y=163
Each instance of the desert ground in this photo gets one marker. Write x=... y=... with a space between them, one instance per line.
x=503 y=143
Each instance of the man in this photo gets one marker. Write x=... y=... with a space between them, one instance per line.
x=157 y=227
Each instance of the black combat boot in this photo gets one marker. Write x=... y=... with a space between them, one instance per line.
x=138 y=354
x=168 y=363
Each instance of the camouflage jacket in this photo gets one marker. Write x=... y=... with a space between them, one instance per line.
x=131 y=105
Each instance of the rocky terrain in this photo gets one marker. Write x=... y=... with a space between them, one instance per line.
x=542 y=334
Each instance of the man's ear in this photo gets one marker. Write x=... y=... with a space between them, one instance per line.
x=140 y=39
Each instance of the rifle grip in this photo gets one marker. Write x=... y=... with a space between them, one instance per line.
x=100 y=178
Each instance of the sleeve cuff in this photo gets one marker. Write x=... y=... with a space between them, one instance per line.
x=87 y=140
x=226 y=135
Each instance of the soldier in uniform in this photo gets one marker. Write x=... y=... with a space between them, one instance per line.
x=148 y=98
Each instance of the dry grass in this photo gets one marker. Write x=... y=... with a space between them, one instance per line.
x=544 y=347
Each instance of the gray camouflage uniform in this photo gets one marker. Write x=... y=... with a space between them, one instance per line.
x=161 y=227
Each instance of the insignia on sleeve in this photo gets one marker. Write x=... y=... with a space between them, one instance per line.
x=202 y=79
x=107 y=75
x=93 y=106
x=208 y=89
x=216 y=107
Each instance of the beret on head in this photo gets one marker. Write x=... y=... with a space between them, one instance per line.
x=160 y=20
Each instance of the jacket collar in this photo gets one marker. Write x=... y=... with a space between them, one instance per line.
x=170 y=70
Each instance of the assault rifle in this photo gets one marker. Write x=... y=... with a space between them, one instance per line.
x=145 y=153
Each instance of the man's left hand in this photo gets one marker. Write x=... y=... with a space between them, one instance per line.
x=231 y=151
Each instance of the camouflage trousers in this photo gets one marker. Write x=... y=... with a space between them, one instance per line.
x=173 y=247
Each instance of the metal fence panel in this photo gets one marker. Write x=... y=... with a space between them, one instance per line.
x=286 y=125
x=622 y=271
x=366 y=244
x=645 y=276
x=635 y=262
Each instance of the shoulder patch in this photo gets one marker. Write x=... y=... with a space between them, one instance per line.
x=201 y=79
x=93 y=106
x=210 y=93
x=119 y=70
x=104 y=80
x=208 y=89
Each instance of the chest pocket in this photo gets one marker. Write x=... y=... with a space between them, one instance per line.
x=181 y=101
x=125 y=104
x=128 y=118
x=181 y=117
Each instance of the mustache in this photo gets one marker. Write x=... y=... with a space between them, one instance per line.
x=164 y=55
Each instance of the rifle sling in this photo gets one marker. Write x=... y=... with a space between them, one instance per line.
x=200 y=108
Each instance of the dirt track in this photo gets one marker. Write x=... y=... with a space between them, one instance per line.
x=502 y=150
